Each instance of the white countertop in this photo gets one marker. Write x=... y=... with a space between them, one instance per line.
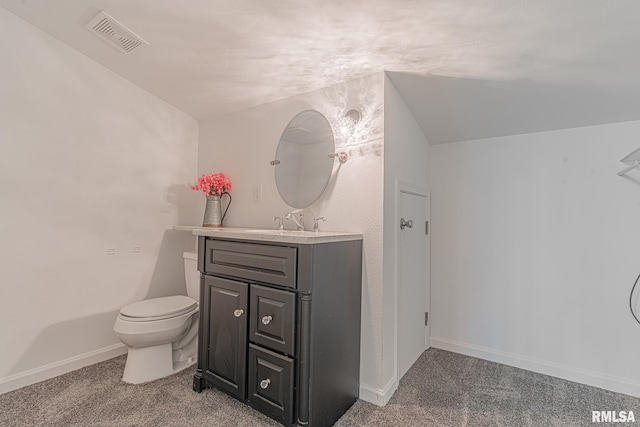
x=266 y=235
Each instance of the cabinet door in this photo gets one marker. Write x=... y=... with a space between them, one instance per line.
x=272 y=318
x=227 y=350
x=271 y=383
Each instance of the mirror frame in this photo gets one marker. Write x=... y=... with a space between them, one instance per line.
x=303 y=166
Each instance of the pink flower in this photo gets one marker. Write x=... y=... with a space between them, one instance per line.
x=213 y=185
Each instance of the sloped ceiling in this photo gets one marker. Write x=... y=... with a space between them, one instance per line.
x=450 y=109
x=467 y=69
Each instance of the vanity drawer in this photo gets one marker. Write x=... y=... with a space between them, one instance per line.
x=272 y=318
x=271 y=383
x=262 y=263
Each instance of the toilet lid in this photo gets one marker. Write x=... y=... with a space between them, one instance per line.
x=159 y=307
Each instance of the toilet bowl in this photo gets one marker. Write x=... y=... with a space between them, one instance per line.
x=161 y=333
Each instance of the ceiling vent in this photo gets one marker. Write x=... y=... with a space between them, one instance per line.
x=113 y=32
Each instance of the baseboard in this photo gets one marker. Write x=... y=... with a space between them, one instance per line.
x=378 y=396
x=582 y=376
x=51 y=370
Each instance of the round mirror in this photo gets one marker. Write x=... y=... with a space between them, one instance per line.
x=304 y=166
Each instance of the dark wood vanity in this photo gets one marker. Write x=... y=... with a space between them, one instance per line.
x=280 y=324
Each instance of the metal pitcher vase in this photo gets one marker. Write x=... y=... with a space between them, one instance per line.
x=213 y=215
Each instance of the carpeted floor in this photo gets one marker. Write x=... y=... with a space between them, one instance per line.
x=441 y=389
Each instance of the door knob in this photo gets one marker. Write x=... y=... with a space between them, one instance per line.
x=266 y=320
x=407 y=223
x=238 y=312
x=265 y=383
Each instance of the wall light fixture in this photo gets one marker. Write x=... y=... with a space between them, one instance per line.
x=346 y=129
x=347 y=124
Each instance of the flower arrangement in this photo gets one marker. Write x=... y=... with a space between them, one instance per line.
x=215 y=184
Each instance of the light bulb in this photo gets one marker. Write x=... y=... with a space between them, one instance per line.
x=346 y=126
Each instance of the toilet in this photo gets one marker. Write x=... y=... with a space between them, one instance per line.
x=161 y=333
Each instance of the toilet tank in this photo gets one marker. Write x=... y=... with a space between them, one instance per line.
x=192 y=275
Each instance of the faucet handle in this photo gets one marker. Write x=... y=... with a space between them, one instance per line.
x=315 y=222
x=291 y=216
x=280 y=222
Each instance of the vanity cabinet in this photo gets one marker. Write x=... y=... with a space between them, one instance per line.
x=280 y=326
x=227 y=335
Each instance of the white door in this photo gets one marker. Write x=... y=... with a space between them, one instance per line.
x=413 y=264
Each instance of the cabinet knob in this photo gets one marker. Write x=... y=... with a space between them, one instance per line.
x=239 y=312
x=266 y=320
x=265 y=383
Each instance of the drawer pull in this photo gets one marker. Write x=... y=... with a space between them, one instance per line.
x=265 y=383
x=239 y=312
x=266 y=320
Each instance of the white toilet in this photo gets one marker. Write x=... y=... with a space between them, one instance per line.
x=161 y=333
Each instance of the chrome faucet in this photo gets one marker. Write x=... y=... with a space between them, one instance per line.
x=315 y=223
x=280 y=222
x=291 y=216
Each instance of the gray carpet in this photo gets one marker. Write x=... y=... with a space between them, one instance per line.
x=441 y=389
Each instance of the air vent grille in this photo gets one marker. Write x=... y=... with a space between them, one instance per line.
x=114 y=33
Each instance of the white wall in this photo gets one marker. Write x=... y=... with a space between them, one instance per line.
x=534 y=252
x=88 y=162
x=242 y=144
x=406 y=159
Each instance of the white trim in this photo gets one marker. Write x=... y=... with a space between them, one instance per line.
x=409 y=188
x=51 y=370
x=582 y=376
x=427 y=331
x=378 y=396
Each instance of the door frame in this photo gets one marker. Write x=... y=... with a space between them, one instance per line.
x=417 y=190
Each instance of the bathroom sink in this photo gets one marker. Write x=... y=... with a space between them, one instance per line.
x=260 y=231
x=277 y=232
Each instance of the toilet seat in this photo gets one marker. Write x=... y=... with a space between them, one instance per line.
x=158 y=308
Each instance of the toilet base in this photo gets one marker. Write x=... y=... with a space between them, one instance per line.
x=152 y=363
